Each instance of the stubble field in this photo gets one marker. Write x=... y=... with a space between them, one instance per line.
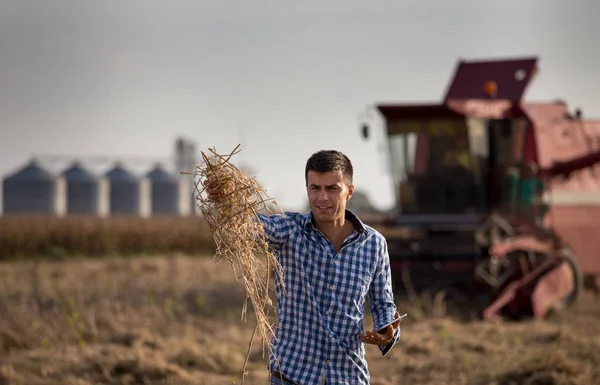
x=175 y=319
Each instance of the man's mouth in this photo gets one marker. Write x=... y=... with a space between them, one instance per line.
x=323 y=207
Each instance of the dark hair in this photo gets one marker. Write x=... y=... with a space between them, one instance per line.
x=329 y=160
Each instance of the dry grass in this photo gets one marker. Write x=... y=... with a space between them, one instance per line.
x=175 y=320
x=239 y=236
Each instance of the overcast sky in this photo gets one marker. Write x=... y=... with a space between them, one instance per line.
x=283 y=78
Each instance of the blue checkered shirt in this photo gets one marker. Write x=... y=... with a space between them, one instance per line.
x=321 y=313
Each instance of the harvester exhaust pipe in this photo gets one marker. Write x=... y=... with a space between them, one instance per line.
x=365 y=131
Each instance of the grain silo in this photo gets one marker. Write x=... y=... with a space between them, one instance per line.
x=124 y=187
x=82 y=190
x=32 y=189
x=164 y=192
x=185 y=152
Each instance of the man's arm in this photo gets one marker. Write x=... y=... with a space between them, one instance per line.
x=381 y=296
x=277 y=227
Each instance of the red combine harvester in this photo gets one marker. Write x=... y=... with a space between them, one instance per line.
x=469 y=216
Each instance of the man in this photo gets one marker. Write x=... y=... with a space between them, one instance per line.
x=459 y=155
x=458 y=178
x=332 y=262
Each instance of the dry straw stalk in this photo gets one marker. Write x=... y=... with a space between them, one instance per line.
x=239 y=235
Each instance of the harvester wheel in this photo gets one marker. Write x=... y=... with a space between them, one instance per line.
x=568 y=255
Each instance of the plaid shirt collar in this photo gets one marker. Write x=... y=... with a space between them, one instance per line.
x=309 y=221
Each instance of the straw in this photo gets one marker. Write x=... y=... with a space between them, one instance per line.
x=238 y=234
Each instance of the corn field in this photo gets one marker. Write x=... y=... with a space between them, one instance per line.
x=52 y=237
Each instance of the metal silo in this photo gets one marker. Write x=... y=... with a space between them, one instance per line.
x=185 y=152
x=30 y=190
x=164 y=192
x=124 y=189
x=82 y=190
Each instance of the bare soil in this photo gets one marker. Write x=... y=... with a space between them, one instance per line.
x=176 y=320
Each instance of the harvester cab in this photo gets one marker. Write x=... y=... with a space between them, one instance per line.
x=448 y=159
x=454 y=170
x=446 y=167
x=447 y=170
x=459 y=169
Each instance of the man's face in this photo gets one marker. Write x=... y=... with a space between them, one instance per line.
x=327 y=195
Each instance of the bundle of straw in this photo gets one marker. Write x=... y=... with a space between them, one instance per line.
x=239 y=235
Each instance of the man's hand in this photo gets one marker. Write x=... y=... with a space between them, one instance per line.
x=212 y=189
x=383 y=336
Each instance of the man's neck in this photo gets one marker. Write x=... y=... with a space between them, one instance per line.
x=332 y=227
x=336 y=231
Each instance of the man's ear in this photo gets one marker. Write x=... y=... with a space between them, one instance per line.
x=350 y=192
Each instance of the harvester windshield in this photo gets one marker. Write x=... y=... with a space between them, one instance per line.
x=439 y=166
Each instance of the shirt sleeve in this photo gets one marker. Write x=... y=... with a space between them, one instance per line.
x=277 y=227
x=381 y=296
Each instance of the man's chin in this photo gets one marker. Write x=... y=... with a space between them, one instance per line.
x=319 y=214
x=323 y=217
